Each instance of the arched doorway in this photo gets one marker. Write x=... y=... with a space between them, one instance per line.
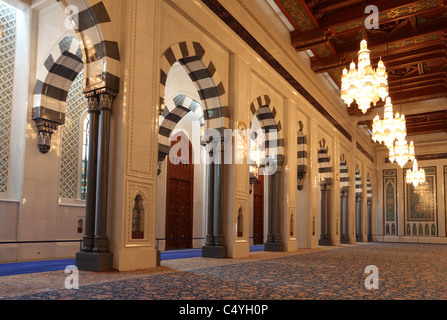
x=208 y=95
x=258 y=211
x=179 y=194
x=267 y=158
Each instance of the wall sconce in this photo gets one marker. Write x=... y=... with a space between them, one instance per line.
x=160 y=163
x=254 y=175
x=162 y=109
x=241 y=142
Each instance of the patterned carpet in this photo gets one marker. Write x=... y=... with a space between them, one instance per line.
x=406 y=272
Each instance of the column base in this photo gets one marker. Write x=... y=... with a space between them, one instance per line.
x=344 y=240
x=218 y=252
x=274 y=246
x=325 y=241
x=158 y=258
x=99 y=262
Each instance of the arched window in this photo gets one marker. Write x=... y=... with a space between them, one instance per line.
x=74 y=141
x=85 y=125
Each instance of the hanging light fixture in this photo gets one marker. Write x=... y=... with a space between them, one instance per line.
x=389 y=129
x=400 y=152
x=364 y=85
x=415 y=176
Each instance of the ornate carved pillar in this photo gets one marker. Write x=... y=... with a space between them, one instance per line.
x=90 y=208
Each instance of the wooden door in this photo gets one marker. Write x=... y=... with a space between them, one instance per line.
x=179 y=196
x=258 y=211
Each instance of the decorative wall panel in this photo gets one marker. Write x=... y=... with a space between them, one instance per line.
x=7 y=58
x=390 y=201
x=420 y=206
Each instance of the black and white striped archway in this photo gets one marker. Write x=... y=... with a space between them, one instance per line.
x=202 y=71
x=214 y=105
x=94 y=50
x=301 y=155
x=324 y=163
x=170 y=118
x=271 y=127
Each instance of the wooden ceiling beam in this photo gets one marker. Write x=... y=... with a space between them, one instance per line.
x=320 y=9
x=375 y=41
x=413 y=57
x=358 y=11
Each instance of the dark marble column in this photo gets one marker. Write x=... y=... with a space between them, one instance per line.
x=90 y=208
x=344 y=217
x=325 y=236
x=369 y=219
x=209 y=239
x=102 y=182
x=274 y=239
x=219 y=239
x=358 y=217
x=215 y=240
x=98 y=258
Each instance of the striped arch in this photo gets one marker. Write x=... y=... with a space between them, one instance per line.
x=368 y=188
x=91 y=20
x=324 y=163
x=344 y=175
x=266 y=116
x=301 y=155
x=170 y=118
x=358 y=183
x=202 y=71
x=54 y=80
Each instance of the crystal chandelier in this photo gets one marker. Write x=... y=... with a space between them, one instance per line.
x=402 y=152
x=364 y=85
x=415 y=176
x=390 y=128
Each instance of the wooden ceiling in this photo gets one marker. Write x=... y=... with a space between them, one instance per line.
x=411 y=40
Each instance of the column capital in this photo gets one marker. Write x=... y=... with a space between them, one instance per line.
x=106 y=100
x=93 y=103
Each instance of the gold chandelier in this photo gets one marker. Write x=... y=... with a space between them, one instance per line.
x=390 y=128
x=415 y=176
x=364 y=85
x=402 y=152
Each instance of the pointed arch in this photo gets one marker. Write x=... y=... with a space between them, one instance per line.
x=324 y=163
x=95 y=51
x=301 y=155
x=54 y=79
x=358 y=183
x=266 y=114
x=93 y=24
x=203 y=73
x=170 y=118
x=344 y=174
